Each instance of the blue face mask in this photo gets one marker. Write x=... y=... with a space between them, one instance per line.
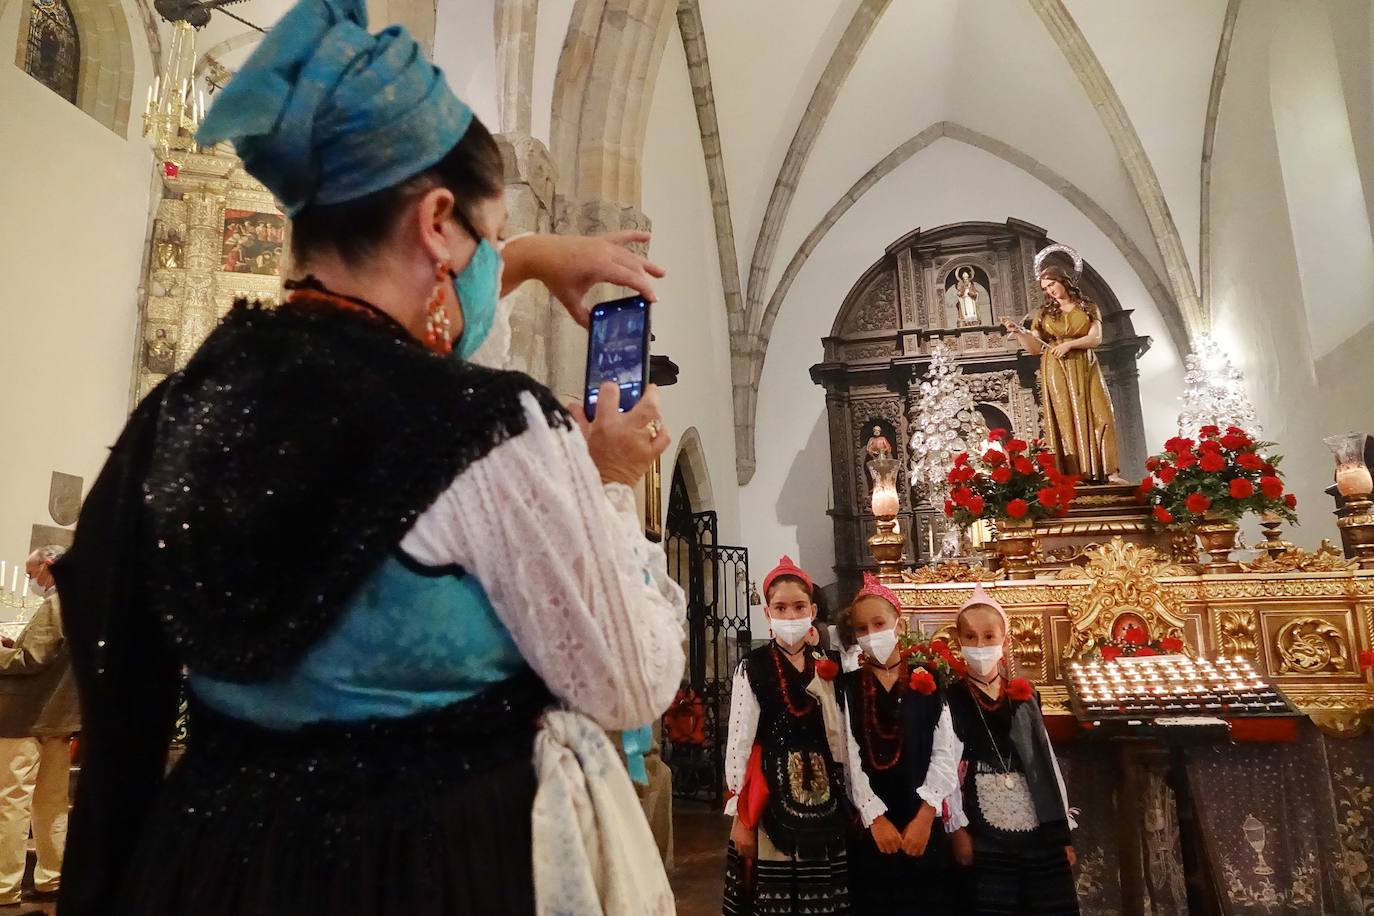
x=478 y=288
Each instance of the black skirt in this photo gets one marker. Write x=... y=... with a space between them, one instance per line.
x=426 y=816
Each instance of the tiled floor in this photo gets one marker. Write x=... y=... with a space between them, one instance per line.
x=699 y=837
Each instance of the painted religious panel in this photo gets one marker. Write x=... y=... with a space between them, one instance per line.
x=253 y=242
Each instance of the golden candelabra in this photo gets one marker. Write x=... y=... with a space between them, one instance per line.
x=888 y=544
x=1355 y=518
x=175 y=107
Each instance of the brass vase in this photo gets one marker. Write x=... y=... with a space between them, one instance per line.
x=1218 y=537
x=1015 y=545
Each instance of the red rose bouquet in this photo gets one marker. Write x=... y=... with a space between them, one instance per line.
x=1019 y=481
x=1224 y=475
x=1134 y=642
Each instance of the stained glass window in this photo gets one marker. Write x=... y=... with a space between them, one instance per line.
x=53 y=55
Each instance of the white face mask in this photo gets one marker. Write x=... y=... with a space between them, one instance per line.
x=790 y=632
x=879 y=645
x=982 y=660
x=40 y=591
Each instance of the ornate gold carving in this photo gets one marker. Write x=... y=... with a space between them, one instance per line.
x=1310 y=645
x=1027 y=639
x=1326 y=559
x=1237 y=631
x=949 y=572
x=1341 y=723
x=1124 y=582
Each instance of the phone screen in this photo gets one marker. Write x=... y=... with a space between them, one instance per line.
x=618 y=350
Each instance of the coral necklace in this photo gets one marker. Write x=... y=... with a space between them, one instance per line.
x=809 y=704
x=873 y=727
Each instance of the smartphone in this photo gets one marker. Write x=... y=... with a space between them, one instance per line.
x=618 y=351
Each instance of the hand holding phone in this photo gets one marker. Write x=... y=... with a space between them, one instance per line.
x=624 y=445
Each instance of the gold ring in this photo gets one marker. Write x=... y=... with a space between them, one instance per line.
x=654 y=427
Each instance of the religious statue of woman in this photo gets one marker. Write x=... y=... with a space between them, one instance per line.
x=1078 y=422
x=968 y=297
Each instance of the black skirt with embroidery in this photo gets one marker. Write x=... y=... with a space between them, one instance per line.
x=426 y=816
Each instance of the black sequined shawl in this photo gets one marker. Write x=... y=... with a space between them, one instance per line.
x=247 y=498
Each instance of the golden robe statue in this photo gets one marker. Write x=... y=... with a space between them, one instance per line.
x=1078 y=423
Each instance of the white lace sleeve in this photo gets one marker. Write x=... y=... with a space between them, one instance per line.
x=584 y=594
x=942 y=774
x=865 y=800
x=739 y=742
x=954 y=816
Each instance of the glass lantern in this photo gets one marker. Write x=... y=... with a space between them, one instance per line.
x=1353 y=479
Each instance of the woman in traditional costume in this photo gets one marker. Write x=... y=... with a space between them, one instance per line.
x=400 y=582
x=903 y=764
x=784 y=766
x=1012 y=820
x=1079 y=427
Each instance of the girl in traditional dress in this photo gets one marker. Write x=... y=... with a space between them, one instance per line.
x=410 y=590
x=784 y=767
x=1013 y=814
x=904 y=759
x=1080 y=428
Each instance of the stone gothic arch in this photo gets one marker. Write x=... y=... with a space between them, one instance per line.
x=106 y=72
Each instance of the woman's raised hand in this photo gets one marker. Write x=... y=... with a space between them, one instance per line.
x=623 y=445
x=570 y=265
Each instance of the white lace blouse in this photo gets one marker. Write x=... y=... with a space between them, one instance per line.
x=585 y=596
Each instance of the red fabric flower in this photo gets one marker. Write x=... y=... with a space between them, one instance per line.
x=997 y=435
x=949 y=507
x=1144 y=652
x=1023 y=465
x=1185 y=460
x=1135 y=636
x=1235 y=441
x=961 y=496
x=1002 y=474
x=1017 y=446
x=1163 y=516
x=1250 y=461
x=826 y=669
x=1020 y=689
x=1271 y=487
x=1212 y=462
x=1366 y=659
x=1171 y=644
x=1209 y=432
x=1045 y=460
x=1178 y=445
x=1291 y=501
x=1110 y=653
x=922 y=681
x=994 y=457
x=1242 y=488
x=1018 y=508
x=1197 y=503
x=976 y=505
x=1167 y=473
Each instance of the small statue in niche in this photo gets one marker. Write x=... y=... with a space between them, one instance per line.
x=161 y=353
x=968 y=297
x=877 y=447
x=168 y=255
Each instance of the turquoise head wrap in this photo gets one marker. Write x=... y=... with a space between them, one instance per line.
x=324 y=112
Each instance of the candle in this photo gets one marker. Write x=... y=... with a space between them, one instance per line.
x=14 y=579
x=884 y=503
x=1352 y=479
x=930 y=541
x=26 y=588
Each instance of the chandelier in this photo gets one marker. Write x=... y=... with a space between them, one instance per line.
x=175 y=107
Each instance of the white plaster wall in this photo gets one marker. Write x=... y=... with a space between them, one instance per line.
x=75 y=217
x=783 y=508
x=465 y=49
x=689 y=319
x=1259 y=315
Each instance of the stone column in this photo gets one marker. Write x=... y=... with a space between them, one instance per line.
x=204 y=239
x=530 y=182
x=1122 y=378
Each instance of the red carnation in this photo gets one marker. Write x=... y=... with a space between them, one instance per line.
x=1002 y=474
x=1145 y=651
x=1366 y=659
x=1046 y=460
x=1018 y=508
x=1271 y=487
x=975 y=505
x=949 y=507
x=962 y=474
x=1135 y=636
x=1152 y=462
x=1017 y=446
x=1235 y=431
x=961 y=496
x=1143 y=491
x=1250 y=461
x=1167 y=473
x=993 y=457
x=1020 y=689
x=1235 y=441
x=1209 y=432
x=1209 y=446
x=1212 y=462
x=1197 y=503
x=939 y=646
x=1185 y=460
x=1242 y=488
x=1178 y=445
x=1291 y=501
x=1048 y=496
x=1023 y=465
x=1171 y=644
x=1110 y=653
x=922 y=681
x=826 y=669
x=961 y=459
x=997 y=435
x=1163 y=516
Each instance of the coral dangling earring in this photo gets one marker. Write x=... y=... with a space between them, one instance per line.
x=438 y=327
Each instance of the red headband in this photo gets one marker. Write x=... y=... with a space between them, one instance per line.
x=872 y=588
x=786 y=567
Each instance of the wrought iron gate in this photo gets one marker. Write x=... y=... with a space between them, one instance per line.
x=716 y=579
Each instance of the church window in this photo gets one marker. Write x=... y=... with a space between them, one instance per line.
x=53 y=53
